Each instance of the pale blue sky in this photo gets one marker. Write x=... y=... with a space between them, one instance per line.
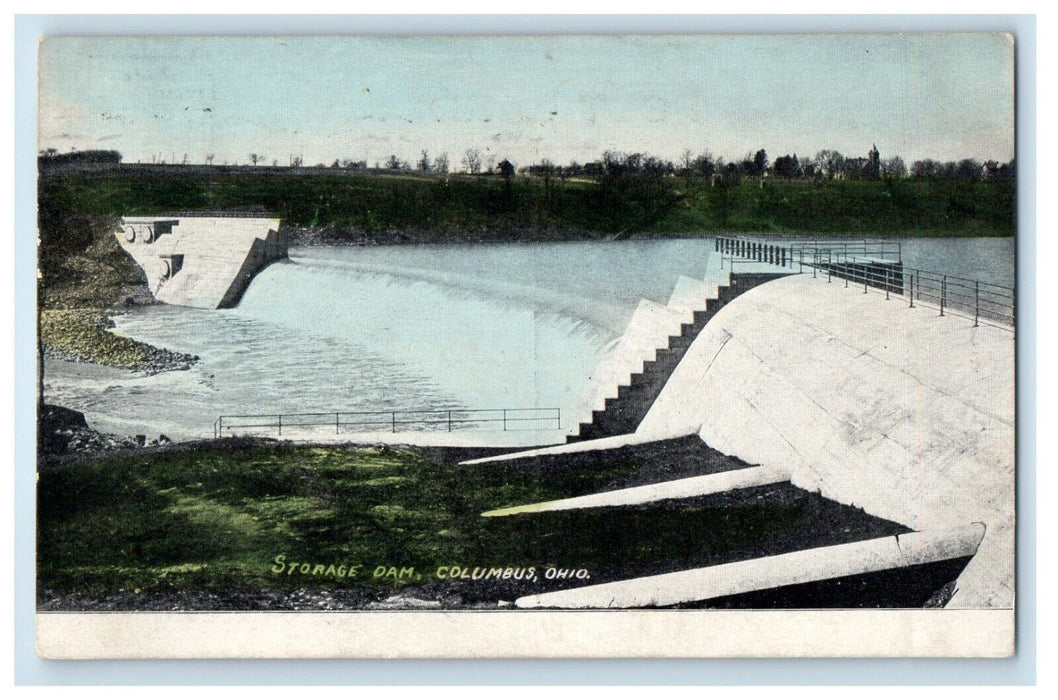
x=526 y=98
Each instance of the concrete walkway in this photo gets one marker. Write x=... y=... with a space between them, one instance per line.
x=804 y=566
x=690 y=487
x=899 y=411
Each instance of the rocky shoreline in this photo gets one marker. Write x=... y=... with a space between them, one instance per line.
x=79 y=335
x=63 y=431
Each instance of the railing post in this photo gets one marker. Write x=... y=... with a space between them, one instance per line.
x=336 y=431
x=558 y=418
x=865 y=278
x=911 y=291
x=280 y=423
x=943 y=292
x=393 y=417
x=845 y=267
x=887 y=283
x=505 y=420
x=977 y=302
x=801 y=262
x=449 y=421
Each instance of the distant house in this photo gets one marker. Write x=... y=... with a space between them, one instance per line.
x=731 y=174
x=862 y=168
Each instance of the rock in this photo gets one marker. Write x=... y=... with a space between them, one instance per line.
x=141 y=440
x=163 y=439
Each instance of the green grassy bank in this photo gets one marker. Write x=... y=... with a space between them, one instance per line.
x=433 y=207
x=235 y=516
x=83 y=267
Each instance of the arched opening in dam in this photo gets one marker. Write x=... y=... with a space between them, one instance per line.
x=411 y=327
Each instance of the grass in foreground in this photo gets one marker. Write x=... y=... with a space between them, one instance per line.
x=215 y=518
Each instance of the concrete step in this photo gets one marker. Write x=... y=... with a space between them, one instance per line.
x=624 y=412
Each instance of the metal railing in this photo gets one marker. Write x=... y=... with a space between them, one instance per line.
x=877 y=266
x=795 y=253
x=511 y=419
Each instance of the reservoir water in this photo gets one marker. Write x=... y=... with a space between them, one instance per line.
x=412 y=327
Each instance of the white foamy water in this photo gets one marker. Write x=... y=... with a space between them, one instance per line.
x=403 y=328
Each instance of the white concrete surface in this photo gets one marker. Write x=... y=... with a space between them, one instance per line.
x=690 y=487
x=689 y=295
x=804 y=566
x=607 y=443
x=215 y=250
x=896 y=410
x=648 y=329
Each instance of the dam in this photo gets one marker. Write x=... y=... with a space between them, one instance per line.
x=819 y=377
x=204 y=261
x=838 y=378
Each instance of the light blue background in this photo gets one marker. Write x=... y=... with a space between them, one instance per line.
x=31 y=670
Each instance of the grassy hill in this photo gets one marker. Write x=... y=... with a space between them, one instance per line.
x=80 y=204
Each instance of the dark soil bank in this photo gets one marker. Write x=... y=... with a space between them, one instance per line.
x=415 y=508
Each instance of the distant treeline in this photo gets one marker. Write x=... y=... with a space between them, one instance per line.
x=622 y=200
x=825 y=165
x=80 y=202
x=51 y=157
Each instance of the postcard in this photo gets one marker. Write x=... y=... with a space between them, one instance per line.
x=526 y=346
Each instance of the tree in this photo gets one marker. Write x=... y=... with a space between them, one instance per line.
x=809 y=167
x=209 y=159
x=472 y=161
x=424 y=162
x=295 y=161
x=968 y=169
x=787 y=167
x=256 y=158
x=760 y=162
x=893 y=167
x=926 y=168
x=393 y=163
x=705 y=165
x=830 y=163
x=687 y=161
x=440 y=164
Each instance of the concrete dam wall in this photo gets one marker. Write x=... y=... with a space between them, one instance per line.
x=897 y=410
x=201 y=261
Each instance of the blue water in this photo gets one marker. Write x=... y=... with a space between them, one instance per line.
x=406 y=327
